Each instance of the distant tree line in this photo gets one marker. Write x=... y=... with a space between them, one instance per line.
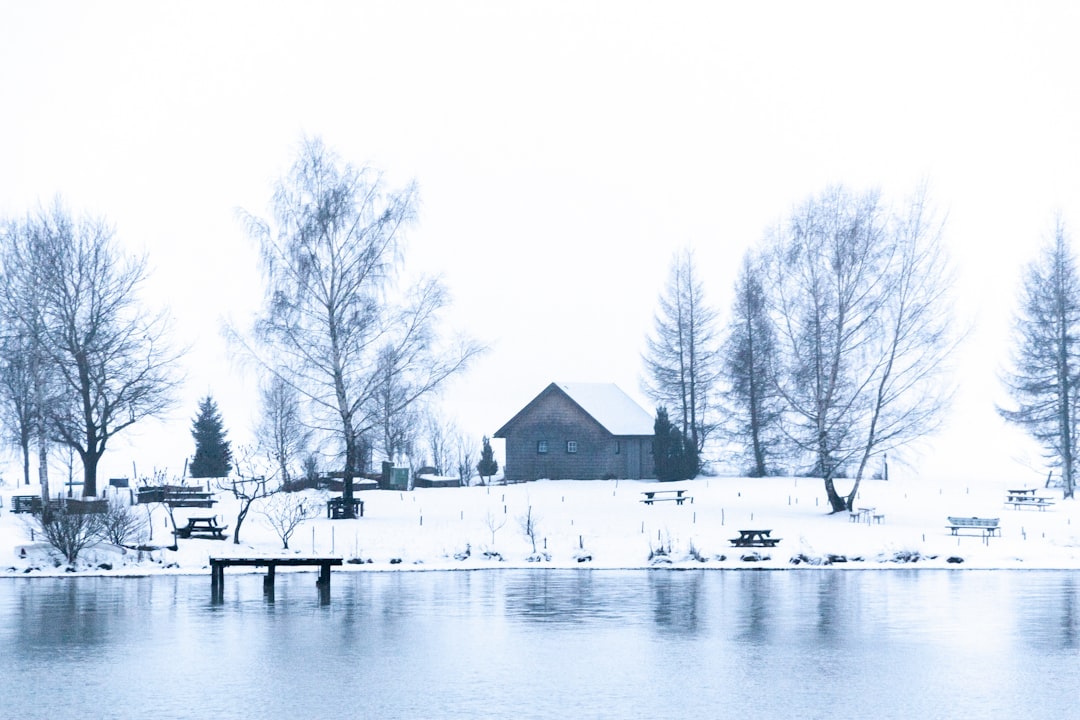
x=835 y=350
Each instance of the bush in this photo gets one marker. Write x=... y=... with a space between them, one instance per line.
x=122 y=524
x=70 y=532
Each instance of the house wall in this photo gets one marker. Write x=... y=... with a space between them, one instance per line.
x=556 y=419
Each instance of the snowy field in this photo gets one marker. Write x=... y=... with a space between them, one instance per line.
x=604 y=524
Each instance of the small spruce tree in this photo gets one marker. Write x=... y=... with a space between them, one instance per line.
x=488 y=465
x=213 y=458
x=675 y=457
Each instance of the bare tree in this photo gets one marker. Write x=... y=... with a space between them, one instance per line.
x=1045 y=379
x=18 y=411
x=22 y=300
x=108 y=361
x=752 y=407
x=464 y=460
x=911 y=386
x=247 y=486
x=281 y=432
x=863 y=330
x=439 y=435
x=681 y=354
x=329 y=329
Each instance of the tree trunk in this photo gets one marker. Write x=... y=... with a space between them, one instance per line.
x=836 y=502
x=90 y=465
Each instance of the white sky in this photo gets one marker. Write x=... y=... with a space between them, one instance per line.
x=564 y=151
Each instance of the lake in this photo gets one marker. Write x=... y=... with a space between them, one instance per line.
x=808 y=643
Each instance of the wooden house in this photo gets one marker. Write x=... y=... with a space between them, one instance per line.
x=579 y=431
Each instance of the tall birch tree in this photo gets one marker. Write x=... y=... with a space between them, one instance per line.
x=330 y=256
x=859 y=299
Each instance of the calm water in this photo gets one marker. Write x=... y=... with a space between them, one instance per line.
x=546 y=644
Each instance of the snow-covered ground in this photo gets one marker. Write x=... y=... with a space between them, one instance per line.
x=604 y=524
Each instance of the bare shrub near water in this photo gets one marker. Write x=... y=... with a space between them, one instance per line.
x=122 y=525
x=70 y=532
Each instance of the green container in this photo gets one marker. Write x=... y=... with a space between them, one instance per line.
x=399 y=478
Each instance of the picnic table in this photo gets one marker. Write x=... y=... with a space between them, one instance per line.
x=335 y=508
x=867 y=515
x=202 y=526
x=755 y=538
x=1025 y=498
x=679 y=496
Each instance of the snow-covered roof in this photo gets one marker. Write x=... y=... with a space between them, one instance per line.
x=610 y=407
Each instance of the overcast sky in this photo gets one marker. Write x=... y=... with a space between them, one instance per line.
x=564 y=152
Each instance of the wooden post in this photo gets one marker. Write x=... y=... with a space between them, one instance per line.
x=268 y=581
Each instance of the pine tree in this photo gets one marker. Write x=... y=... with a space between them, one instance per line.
x=1045 y=381
x=213 y=458
x=675 y=457
x=488 y=465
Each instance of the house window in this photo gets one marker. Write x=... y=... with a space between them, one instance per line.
x=571 y=446
x=618 y=447
x=541 y=447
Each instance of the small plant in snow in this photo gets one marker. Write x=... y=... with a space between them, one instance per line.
x=286 y=511
x=696 y=554
x=661 y=553
x=529 y=522
x=494 y=522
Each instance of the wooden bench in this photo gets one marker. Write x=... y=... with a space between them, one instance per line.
x=986 y=527
x=177 y=496
x=755 y=538
x=26 y=504
x=679 y=496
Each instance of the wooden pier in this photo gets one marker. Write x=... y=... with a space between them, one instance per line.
x=218 y=565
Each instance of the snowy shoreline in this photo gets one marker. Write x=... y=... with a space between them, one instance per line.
x=604 y=525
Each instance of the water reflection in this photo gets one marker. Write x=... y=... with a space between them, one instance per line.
x=676 y=600
x=753 y=607
x=539 y=644
x=62 y=614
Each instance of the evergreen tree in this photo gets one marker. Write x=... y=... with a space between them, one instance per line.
x=213 y=458
x=488 y=465
x=675 y=457
x=1045 y=381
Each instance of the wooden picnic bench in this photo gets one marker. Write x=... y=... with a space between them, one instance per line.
x=986 y=527
x=679 y=496
x=202 y=526
x=1026 y=498
x=335 y=508
x=755 y=538
x=177 y=496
